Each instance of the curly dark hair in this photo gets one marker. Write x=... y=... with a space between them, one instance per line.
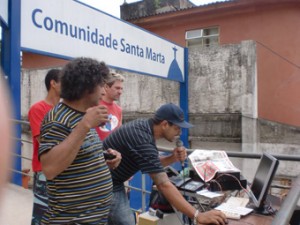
x=81 y=76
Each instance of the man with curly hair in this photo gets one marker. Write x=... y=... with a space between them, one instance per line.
x=79 y=184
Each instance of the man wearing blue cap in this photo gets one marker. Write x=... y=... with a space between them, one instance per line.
x=136 y=141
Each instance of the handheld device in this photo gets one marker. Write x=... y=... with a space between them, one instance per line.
x=192 y=186
x=108 y=156
x=178 y=181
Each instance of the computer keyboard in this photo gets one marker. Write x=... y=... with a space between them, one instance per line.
x=233 y=212
x=231 y=215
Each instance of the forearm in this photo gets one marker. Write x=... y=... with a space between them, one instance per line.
x=168 y=160
x=176 y=199
x=61 y=156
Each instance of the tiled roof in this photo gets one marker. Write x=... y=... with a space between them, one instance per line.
x=167 y=11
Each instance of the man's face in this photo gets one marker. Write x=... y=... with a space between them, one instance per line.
x=114 y=92
x=171 y=131
x=96 y=96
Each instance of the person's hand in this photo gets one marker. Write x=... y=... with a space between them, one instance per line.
x=212 y=217
x=180 y=153
x=95 y=116
x=114 y=163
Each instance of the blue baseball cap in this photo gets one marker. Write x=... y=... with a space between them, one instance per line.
x=172 y=113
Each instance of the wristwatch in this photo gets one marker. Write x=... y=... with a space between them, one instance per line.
x=195 y=217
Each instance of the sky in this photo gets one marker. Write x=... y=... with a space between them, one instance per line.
x=113 y=6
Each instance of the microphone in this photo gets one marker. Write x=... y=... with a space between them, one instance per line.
x=179 y=143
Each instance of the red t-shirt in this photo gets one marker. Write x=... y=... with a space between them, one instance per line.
x=115 y=119
x=36 y=115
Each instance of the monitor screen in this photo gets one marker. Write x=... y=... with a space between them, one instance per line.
x=262 y=179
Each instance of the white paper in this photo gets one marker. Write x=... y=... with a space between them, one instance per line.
x=208 y=162
x=209 y=194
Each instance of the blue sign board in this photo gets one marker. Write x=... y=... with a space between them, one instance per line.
x=69 y=29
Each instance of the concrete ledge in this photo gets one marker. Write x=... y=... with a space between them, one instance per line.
x=16 y=205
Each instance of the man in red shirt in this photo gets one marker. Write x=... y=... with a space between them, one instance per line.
x=113 y=90
x=36 y=115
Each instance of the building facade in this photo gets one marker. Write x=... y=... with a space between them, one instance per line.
x=242 y=94
x=272 y=24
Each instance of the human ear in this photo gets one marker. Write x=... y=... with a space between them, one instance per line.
x=106 y=87
x=165 y=124
x=52 y=82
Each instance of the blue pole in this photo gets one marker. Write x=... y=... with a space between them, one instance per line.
x=12 y=68
x=184 y=98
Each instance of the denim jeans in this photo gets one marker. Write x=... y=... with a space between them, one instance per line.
x=120 y=212
x=40 y=198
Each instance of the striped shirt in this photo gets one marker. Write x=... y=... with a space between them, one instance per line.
x=136 y=143
x=81 y=194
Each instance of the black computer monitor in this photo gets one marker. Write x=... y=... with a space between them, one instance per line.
x=262 y=180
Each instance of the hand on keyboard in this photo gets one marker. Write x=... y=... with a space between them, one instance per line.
x=210 y=217
x=232 y=215
x=233 y=212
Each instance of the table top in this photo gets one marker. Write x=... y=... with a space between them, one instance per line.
x=253 y=219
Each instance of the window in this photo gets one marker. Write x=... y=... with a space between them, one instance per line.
x=202 y=37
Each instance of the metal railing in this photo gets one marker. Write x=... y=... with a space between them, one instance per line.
x=287 y=209
x=229 y=153
x=285 y=216
x=26 y=123
x=245 y=155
